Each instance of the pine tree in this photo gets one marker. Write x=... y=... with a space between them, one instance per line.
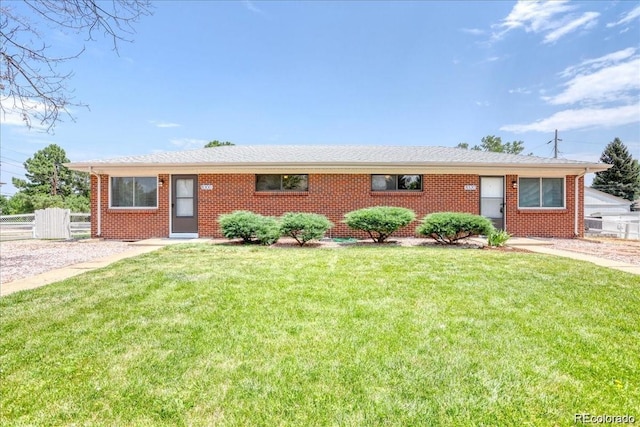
x=623 y=179
x=49 y=183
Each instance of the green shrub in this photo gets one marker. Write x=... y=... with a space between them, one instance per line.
x=249 y=226
x=304 y=226
x=268 y=231
x=239 y=225
x=380 y=221
x=449 y=227
x=498 y=238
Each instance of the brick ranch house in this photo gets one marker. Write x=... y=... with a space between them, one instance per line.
x=181 y=194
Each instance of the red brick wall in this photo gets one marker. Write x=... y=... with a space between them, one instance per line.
x=129 y=224
x=545 y=222
x=332 y=195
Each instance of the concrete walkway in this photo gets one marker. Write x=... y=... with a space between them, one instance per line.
x=543 y=247
x=150 y=245
x=137 y=248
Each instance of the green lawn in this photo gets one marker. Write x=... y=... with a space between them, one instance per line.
x=204 y=335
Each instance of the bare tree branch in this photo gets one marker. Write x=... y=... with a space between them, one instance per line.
x=31 y=84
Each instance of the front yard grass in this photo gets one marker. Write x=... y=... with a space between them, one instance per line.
x=219 y=335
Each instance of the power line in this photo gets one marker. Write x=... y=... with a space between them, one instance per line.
x=9 y=158
x=628 y=144
x=4 y=165
x=14 y=174
x=12 y=164
x=14 y=151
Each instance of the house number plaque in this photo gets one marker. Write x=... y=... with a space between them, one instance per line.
x=206 y=187
x=469 y=187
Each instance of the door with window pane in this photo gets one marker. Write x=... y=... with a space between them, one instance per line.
x=184 y=204
x=492 y=199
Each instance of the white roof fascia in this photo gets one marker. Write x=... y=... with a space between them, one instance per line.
x=426 y=169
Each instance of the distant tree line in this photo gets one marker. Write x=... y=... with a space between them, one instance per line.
x=494 y=143
x=48 y=184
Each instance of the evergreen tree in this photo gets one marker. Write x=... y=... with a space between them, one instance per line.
x=623 y=179
x=49 y=184
x=46 y=175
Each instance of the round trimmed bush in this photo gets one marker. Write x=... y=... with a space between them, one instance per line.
x=304 y=226
x=449 y=227
x=249 y=226
x=379 y=221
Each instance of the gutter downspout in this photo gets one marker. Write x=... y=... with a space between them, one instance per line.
x=576 y=209
x=99 y=225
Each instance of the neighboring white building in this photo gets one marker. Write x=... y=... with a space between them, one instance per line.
x=598 y=203
x=610 y=215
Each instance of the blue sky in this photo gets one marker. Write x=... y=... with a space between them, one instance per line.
x=396 y=73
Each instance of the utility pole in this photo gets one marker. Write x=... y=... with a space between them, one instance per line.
x=555 y=145
x=54 y=186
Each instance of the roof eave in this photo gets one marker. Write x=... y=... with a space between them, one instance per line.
x=557 y=169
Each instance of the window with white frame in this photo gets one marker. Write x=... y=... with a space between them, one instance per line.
x=541 y=193
x=396 y=182
x=288 y=182
x=134 y=192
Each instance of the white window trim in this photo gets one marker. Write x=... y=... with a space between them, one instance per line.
x=397 y=190
x=138 y=208
x=546 y=208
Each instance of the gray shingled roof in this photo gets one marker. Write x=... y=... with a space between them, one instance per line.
x=331 y=154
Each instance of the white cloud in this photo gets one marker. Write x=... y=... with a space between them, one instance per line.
x=489 y=59
x=189 y=143
x=11 y=118
x=251 y=6
x=607 y=84
x=587 y=20
x=520 y=90
x=14 y=110
x=553 y=18
x=473 y=31
x=164 y=124
x=605 y=89
x=482 y=103
x=597 y=63
x=626 y=18
x=583 y=118
x=534 y=16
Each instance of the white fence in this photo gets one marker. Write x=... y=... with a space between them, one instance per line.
x=622 y=227
x=26 y=226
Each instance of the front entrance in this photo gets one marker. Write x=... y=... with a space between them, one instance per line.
x=184 y=205
x=492 y=199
